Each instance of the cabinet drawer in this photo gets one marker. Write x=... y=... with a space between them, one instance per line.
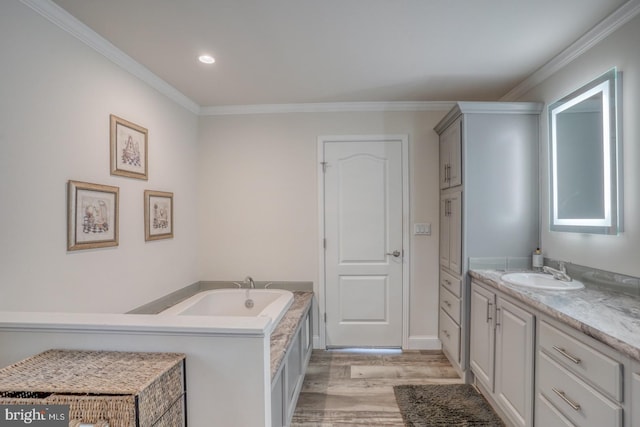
x=599 y=370
x=453 y=284
x=578 y=402
x=449 y=335
x=548 y=416
x=451 y=304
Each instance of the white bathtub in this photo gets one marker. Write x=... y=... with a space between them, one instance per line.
x=272 y=303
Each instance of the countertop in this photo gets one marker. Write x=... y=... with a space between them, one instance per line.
x=283 y=333
x=610 y=317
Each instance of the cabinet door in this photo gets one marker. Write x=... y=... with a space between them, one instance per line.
x=444 y=231
x=455 y=232
x=450 y=156
x=514 y=362
x=451 y=231
x=481 y=351
x=635 y=396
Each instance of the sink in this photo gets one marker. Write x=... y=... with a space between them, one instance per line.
x=541 y=281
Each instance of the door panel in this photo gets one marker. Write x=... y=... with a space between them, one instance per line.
x=363 y=227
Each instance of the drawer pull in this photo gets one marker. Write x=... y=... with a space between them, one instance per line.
x=563 y=352
x=563 y=396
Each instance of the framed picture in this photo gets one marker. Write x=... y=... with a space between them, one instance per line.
x=128 y=149
x=92 y=215
x=158 y=215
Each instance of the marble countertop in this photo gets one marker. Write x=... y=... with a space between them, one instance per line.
x=284 y=332
x=610 y=317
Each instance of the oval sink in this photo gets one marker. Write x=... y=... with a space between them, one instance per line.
x=541 y=281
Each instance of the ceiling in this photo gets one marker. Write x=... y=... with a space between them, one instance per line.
x=316 y=51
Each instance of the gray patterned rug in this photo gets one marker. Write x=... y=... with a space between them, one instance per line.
x=444 y=405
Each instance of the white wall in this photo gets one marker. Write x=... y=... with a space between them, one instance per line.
x=56 y=95
x=258 y=201
x=613 y=253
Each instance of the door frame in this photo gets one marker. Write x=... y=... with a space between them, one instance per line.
x=320 y=291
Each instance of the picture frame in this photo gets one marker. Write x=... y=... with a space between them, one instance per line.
x=158 y=215
x=92 y=215
x=129 y=149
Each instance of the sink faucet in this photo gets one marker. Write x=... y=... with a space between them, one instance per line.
x=250 y=281
x=560 y=273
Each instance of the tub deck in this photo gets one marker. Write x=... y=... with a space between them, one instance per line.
x=285 y=330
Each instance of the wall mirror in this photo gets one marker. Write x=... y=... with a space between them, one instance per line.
x=585 y=159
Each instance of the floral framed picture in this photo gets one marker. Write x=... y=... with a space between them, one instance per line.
x=92 y=215
x=158 y=215
x=129 y=144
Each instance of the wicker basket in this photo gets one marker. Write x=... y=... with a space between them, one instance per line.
x=123 y=389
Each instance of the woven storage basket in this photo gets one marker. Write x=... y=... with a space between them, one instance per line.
x=124 y=389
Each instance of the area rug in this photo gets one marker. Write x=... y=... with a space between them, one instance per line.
x=444 y=405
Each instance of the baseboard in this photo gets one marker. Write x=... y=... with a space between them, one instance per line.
x=424 y=342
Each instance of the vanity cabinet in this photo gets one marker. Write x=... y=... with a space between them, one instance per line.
x=287 y=383
x=635 y=394
x=576 y=382
x=488 y=201
x=501 y=352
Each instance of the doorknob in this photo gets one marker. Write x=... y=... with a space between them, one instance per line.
x=395 y=253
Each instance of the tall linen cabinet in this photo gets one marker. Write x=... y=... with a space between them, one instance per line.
x=488 y=204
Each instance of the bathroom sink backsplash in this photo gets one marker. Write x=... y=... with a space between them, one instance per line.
x=590 y=276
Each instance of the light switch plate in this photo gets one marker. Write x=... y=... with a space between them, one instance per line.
x=422 y=229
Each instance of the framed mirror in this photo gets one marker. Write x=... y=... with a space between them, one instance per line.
x=585 y=159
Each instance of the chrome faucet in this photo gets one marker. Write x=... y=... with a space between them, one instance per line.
x=560 y=273
x=250 y=281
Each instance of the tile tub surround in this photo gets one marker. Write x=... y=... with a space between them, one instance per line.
x=285 y=331
x=608 y=316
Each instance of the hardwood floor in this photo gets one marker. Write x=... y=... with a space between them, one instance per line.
x=343 y=388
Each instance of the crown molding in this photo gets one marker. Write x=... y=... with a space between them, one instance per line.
x=617 y=19
x=327 y=107
x=73 y=26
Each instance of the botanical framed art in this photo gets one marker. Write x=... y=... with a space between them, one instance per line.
x=158 y=215
x=92 y=215
x=128 y=149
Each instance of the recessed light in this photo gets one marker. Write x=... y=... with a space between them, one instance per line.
x=206 y=59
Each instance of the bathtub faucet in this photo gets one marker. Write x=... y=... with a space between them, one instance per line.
x=250 y=282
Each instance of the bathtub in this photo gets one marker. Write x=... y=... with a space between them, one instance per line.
x=230 y=303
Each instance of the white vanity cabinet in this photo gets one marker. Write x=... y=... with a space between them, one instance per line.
x=635 y=394
x=286 y=385
x=578 y=381
x=488 y=201
x=501 y=352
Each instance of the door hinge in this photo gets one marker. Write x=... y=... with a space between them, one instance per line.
x=324 y=243
x=324 y=166
x=325 y=318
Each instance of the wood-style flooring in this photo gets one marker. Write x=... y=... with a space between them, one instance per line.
x=343 y=388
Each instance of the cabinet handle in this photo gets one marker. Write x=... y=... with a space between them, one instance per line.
x=489 y=305
x=448 y=303
x=445 y=332
x=563 y=396
x=563 y=352
x=497 y=317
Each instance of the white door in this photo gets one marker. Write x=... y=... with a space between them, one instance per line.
x=363 y=214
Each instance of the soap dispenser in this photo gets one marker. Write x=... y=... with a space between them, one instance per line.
x=537 y=260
